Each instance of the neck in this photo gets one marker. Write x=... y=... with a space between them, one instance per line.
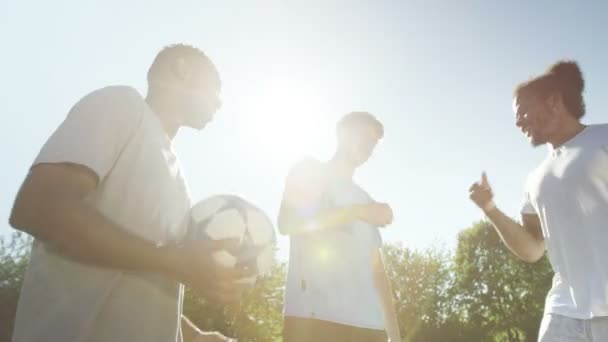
x=165 y=116
x=569 y=130
x=341 y=166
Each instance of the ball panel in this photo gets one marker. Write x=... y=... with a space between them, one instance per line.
x=226 y=224
x=232 y=217
x=259 y=227
x=203 y=210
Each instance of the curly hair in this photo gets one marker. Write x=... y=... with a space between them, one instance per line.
x=563 y=77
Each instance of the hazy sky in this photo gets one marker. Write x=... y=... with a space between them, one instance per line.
x=438 y=74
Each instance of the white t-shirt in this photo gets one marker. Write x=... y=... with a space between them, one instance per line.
x=569 y=193
x=113 y=132
x=330 y=275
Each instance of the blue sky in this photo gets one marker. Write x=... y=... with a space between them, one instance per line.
x=438 y=74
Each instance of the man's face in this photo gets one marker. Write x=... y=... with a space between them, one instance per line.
x=359 y=142
x=535 y=119
x=199 y=100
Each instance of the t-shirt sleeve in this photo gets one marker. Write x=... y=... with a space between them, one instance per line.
x=95 y=131
x=305 y=188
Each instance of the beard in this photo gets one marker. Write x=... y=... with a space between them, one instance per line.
x=536 y=139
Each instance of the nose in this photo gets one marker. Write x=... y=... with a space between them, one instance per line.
x=218 y=104
x=520 y=120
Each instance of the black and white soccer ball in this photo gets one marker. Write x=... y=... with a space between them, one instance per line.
x=232 y=217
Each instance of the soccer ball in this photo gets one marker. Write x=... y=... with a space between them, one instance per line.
x=232 y=217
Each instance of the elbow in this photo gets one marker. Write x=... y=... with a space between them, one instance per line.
x=13 y=221
x=24 y=211
x=18 y=219
x=531 y=259
x=533 y=255
x=29 y=218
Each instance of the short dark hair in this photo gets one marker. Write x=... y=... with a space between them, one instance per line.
x=563 y=77
x=358 y=118
x=161 y=68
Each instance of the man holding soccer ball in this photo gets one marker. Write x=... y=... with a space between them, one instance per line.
x=105 y=200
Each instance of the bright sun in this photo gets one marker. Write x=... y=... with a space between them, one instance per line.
x=286 y=119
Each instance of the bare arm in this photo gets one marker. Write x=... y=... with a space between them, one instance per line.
x=383 y=286
x=524 y=240
x=291 y=222
x=51 y=206
x=304 y=189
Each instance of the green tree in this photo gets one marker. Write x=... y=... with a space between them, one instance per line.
x=478 y=293
x=258 y=318
x=498 y=297
x=14 y=252
x=421 y=282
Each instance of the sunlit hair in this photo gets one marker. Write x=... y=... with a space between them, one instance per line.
x=164 y=62
x=563 y=77
x=357 y=119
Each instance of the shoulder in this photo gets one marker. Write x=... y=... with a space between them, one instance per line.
x=114 y=94
x=306 y=170
x=602 y=126
x=305 y=181
x=121 y=103
x=599 y=131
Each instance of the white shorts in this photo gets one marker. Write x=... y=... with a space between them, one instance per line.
x=557 y=328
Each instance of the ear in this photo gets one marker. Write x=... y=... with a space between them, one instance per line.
x=341 y=136
x=181 y=70
x=555 y=102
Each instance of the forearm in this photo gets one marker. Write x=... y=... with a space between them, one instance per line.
x=515 y=236
x=290 y=222
x=79 y=231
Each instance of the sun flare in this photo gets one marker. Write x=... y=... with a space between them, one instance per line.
x=286 y=119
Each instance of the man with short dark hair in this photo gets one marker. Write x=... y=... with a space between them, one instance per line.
x=106 y=202
x=337 y=289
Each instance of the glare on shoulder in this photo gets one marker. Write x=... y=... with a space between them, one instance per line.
x=305 y=182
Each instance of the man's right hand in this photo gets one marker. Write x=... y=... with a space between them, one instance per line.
x=377 y=214
x=193 y=263
x=481 y=193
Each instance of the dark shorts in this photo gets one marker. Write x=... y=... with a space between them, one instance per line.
x=297 y=329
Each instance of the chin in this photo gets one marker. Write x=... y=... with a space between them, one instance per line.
x=359 y=161
x=535 y=141
x=199 y=125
